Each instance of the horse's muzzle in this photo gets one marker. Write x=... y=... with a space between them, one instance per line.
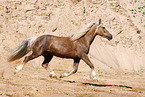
x=109 y=37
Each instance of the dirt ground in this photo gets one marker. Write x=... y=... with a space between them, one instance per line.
x=35 y=82
x=119 y=63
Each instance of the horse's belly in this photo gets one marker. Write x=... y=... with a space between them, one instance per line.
x=63 y=53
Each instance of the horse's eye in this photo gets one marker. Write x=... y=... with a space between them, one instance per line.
x=103 y=27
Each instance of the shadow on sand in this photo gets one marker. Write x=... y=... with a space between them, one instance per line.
x=99 y=85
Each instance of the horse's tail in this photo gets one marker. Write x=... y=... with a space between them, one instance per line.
x=22 y=50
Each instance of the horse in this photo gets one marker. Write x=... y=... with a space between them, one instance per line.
x=75 y=47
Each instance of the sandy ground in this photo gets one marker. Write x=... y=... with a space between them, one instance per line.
x=35 y=82
x=119 y=63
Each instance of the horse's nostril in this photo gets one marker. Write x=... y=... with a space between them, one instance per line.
x=109 y=37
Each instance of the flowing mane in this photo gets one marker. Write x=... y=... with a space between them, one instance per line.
x=82 y=31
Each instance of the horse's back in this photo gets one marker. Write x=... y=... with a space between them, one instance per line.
x=61 y=46
x=58 y=46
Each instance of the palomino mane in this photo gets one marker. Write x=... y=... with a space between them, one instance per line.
x=81 y=32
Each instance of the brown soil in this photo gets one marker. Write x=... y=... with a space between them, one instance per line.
x=119 y=63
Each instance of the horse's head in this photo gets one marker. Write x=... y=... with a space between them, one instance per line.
x=102 y=31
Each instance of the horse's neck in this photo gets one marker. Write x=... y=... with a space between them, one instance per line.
x=90 y=36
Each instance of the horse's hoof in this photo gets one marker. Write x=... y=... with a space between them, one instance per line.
x=15 y=72
x=95 y=79
x=61 y=76
x=64 y=75
x=52 y=76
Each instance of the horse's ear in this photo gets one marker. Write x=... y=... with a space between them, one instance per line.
x=100 y=21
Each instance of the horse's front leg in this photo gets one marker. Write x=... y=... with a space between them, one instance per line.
x=75 y=68
x=87 y=60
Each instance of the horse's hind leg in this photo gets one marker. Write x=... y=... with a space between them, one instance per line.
x=47 y=59
x=27 y=58
x=75 y=68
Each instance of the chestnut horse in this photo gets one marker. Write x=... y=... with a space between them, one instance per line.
x=75 y=47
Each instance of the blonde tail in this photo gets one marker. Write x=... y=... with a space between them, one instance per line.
x=22 y=50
